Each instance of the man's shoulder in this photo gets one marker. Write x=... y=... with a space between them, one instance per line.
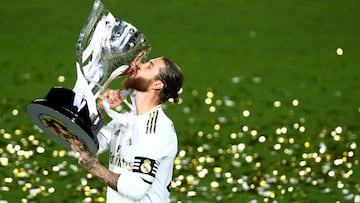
x=159 y=115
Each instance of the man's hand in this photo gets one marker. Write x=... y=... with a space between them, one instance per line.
x=86 y=160
x=113 y=97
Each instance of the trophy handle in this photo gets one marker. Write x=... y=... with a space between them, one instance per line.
x=122 y=70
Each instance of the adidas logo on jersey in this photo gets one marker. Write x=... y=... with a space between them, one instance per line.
x=151 y=123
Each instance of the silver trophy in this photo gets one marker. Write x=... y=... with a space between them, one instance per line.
x=105 y=49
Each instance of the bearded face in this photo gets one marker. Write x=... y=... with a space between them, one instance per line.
x=137 y=83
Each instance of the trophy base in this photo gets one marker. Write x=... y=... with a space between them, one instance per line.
x=60 y=120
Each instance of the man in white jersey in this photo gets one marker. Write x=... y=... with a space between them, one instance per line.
x=142 y=142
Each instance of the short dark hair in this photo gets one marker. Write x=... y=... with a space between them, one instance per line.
x=172 y=78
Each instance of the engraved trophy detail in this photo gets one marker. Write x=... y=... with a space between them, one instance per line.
x=105 y=49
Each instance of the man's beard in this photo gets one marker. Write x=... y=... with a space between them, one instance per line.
x=140 y=84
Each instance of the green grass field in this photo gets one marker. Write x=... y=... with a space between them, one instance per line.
x=270 y=107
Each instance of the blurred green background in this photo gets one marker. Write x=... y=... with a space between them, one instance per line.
x=270 y=105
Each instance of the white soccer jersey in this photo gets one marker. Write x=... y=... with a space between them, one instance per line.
x=142 y=149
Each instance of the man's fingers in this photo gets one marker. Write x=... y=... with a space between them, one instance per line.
x=113 y=97
x=77 y=146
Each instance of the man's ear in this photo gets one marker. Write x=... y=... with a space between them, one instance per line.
x=158 y=85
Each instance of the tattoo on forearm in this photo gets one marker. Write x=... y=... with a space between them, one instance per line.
x=89 y=163
x=92 y=165
x=107 y=177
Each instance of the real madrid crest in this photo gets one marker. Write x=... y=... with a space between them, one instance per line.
x=146 y=166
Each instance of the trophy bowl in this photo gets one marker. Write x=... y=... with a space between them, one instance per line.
x=105 y=48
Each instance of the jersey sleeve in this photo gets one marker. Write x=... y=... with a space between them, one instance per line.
x=155 y=152
x=104 y=137
x=131 y=185
x=105 y=134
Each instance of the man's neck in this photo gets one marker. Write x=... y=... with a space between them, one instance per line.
x=145 y=101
